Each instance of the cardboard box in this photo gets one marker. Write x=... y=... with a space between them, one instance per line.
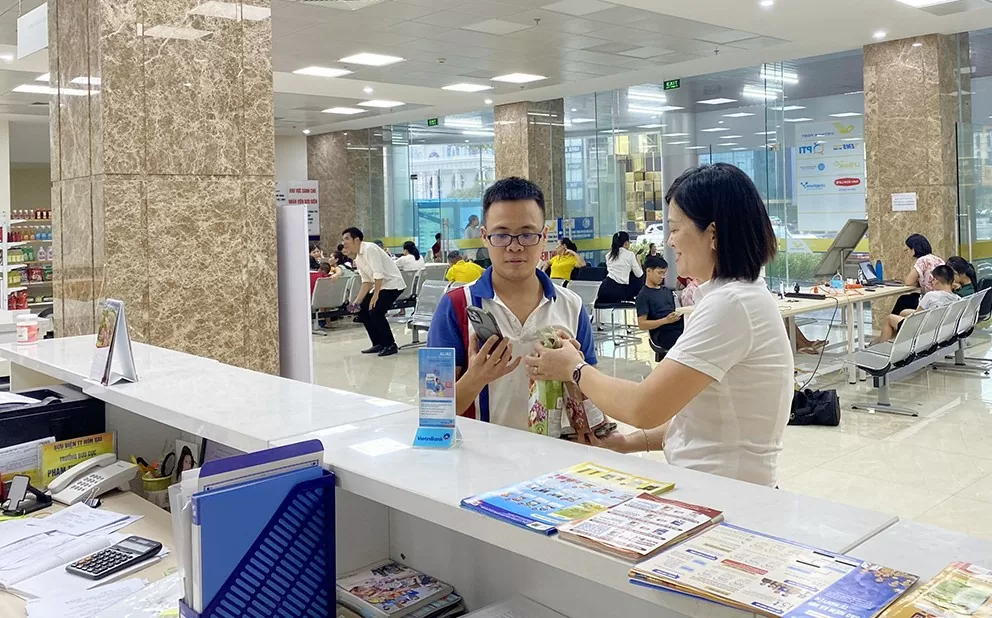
x=652 y=215
x=634 y=176
x=652 y=176
x=646 y=186
x=650 y=205
x=636 y=197
x=631 y=187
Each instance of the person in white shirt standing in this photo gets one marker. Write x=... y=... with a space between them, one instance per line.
x=382 y=284
x=623 y=273
x=720 y=400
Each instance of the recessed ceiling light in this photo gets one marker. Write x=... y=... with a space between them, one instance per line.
x=651 y=126
x=43 y=78
x=788 y=108
x=478 y=133
x=322 y=71
x=852 y=139
x=879 y=35
x=346 y=111
x=372 y=60
x=306 y=131
x=381 y=103
x=678 y=143
x=7 y=57
x=731 y=136
x=231 y=10
x=845 y=115
x=488 y=101
x=466 y=87
x=368 y=90
x=717 y=101
x=518 y=78
x=923 y=3
x=638 y=95
x=654 y=110
x=766 y=133
x=766 y=4
x=729 y=144
x=760 y=92
x=696 y=147
x=797 y=119
x=582 y=120
x=574 y=109
x=738 y=115
x=614 y=131
x=917 y=44
x=738 y=148
x=39 y=89
x=782 y=77
x=675 y=135
x=85 y=80
x=467 y=141
x=714 y=130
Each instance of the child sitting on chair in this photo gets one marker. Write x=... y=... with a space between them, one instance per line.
x=941 y=296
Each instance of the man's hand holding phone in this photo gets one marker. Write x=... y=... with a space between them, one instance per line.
x=490 y=362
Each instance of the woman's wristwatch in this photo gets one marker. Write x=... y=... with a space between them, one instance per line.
x=577 y=372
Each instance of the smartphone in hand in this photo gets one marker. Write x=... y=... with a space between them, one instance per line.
x=484 y=324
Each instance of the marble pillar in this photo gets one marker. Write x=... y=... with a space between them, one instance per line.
x=530 y=142
x=912 y=102
x=162 y=173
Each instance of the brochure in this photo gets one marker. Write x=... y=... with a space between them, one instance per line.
x=544 y=503
x=772 y=577
x=388 y=589
x=640 y=527
x=437 y=398
x=960 y=590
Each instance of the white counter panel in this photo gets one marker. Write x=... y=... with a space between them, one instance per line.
x=923 y=550
x=237 y=407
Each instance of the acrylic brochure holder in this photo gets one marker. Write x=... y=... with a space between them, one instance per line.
x=289 y=570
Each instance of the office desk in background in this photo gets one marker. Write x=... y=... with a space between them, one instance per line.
x=155 y=524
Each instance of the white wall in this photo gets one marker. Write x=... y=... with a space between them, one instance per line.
x=291 y=157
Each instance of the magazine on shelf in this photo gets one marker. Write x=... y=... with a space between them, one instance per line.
x=960 y=590
x=388 y=589
x=640 y=527
x=772 y=577
x=543 y=503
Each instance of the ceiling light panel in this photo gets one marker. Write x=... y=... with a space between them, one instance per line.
x=381 y=103
x=797 y=119
x=677 y=143
x=731 y=136
x=43 y=78
x=738 y=115
x=717 y=101
x=372 y=60
x=714 y=130
x=788 y=108
x=322 y=71
x=675 y=135
x=465 y=87
x=344 y=111
x=760 y=92
x=653 y=110
x=923 y=3
x=231 y=10
x=780 y=77
x=578 y=8
x=582 y=120
x=845 y=115
x=518 y=78
x=651 y=126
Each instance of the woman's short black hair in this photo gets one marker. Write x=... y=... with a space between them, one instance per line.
x=411 y=248
x=722 y=195
x=919 y=244
x=512 y=189
x=571 y=246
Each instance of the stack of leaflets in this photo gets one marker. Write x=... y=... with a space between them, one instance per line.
x=960 y=590
x=544 y=503
x=388 y=589
x=772 y=577
x=640 y=527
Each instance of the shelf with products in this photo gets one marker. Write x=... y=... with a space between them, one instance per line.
x=37 y=283
x=43 y=304
x=15 y=266
x=31 y=222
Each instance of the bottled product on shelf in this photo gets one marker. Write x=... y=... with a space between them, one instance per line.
x=39 y=214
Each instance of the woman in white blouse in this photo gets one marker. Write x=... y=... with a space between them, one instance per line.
x=623 y=272
x=410 y=260
x=721 y=398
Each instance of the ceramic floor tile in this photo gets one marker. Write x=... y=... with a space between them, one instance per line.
x=981 y=491
x=949 y=436
x=962 y=515
x=823 y=442
x=896 y=499
x=906 y=464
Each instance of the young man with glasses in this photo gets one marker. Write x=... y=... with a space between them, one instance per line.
x=493 y=386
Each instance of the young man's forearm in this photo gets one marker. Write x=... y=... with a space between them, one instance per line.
x=467 y=390
x=362 y=293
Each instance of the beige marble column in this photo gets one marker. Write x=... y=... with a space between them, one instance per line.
x=530 y=142
x=912 y=103
x=162 y=173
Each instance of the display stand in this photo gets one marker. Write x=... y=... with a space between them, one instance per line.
x=290 y=568
x=841 y=248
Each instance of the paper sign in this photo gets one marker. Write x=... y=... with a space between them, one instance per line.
x=113 y=343
x=57 y=457
x=903 y=202
x=23 y=459
x=436 y=387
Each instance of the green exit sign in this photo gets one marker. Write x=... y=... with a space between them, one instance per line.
x=673 y=84
x=432 y=122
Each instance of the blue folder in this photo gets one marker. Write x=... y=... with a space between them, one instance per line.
x=229 y=521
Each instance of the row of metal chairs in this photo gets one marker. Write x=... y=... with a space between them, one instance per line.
x=330 y=298
x=924 y=339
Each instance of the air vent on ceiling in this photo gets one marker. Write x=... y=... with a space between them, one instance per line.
x=344 y=5
x=953 y=7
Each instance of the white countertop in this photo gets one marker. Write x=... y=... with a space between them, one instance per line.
x=923 y=550
x=430 y=484
x=237 y=407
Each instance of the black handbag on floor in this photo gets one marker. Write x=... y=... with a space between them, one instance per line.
x=811 y=407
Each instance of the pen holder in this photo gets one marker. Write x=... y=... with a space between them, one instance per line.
x=289 y=569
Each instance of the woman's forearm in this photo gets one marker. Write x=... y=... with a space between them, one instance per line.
x=603 y=389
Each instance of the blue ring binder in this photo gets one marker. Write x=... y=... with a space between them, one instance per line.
x=289 y=571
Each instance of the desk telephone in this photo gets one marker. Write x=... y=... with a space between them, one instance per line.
x=92 y=478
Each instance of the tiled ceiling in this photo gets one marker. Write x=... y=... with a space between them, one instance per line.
x=295 y=112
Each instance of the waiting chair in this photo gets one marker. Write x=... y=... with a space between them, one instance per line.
x=328 y=300
x=429 y=298
x=881 y=360
x=616 y=336
x=966 y=327
x=588 y=291
x=980 y=336
x=433 y=272
x=409 y=295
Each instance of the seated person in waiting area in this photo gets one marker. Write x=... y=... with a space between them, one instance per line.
x=493 y=385
x=323 y=271
x=941 y=296
x=461 y=270
x=656 y=305
x=565 y=260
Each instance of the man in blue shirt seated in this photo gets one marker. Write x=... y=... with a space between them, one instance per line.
x=656 y=305
x=493 y=385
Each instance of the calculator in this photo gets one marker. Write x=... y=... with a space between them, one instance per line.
x=125 y=554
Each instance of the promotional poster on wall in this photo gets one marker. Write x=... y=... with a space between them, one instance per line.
x=829 y=174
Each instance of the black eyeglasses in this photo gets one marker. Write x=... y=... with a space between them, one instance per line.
x=528 y=239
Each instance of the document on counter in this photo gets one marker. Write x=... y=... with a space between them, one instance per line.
x=17 y=530
x=38 y=554
x=86 y=604
x=57 y=583
x=80 y=519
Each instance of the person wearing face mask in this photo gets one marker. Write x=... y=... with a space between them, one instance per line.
x=720 y=400
x=493 y=385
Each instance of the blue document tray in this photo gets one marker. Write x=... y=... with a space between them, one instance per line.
x=289 y=571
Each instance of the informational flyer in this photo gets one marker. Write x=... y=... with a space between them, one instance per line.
x=436 y=383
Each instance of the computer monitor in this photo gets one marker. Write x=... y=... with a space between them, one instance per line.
x=844 y=243
x=868 y=273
